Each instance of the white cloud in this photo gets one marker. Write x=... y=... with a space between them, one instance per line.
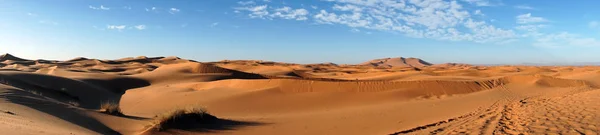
x=533 y=27
x=482 y=3
x=524 y=7
x=173 y=10
x=127 y=7
x=140 y=27
x=259 y=11
x=289 y=13
x=214 y=24
x=314 y=7
x=48 y=22
x=478 y=12
x=102 y=7
x=31 y=14
x=594 y=24
x=267 y=0
x=152 y=9
x=246 y=2
x=565 y=39
x=435 y=19
x=116 y=27
x=527 y=18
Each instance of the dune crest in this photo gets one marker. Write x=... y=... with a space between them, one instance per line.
x=398 y=62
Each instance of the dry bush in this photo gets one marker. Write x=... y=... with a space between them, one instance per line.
x=184 y=119
x=111 y=108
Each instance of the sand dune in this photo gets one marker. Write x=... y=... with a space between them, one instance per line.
x=383 y=96
x=397 y=62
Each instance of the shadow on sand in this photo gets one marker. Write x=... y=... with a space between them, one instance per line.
x=62 y=111
x=216 y=126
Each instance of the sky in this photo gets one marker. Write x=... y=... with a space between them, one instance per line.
x=305 y=31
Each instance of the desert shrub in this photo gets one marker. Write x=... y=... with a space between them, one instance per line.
x=111 y=108
x=184 y=119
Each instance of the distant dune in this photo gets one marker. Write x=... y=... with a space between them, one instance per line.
x=254 y=97
x=397 y=62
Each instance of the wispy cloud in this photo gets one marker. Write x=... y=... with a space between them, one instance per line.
x=565 y=39
x=434 y=19
x=48 y=22
x=528 y=18
x=289 y=13
x=525 y=7
x=116 y=27
x=246 y=2
x=261 y=11
x=483 y=3
x=174 y=10
x=102 y=7
x=214 y=24
x=127 y=7
x=31 y=14
x=478 y=12
x=140 y=27
x=151 y=9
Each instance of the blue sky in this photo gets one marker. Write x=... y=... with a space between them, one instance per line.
x=305 y=31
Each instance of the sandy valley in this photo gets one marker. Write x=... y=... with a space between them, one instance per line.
x=251 y=97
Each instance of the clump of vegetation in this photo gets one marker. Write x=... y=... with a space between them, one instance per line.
x=111 y=108
x=184 y=119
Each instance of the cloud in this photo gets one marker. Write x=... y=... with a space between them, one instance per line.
x=482 y=3
x=48 y=22
x=102 y=7
x=259 y=11
x=214 y=24
x=267 y=0
x=314 y=7
x=140 y=27
x=289 y=13
x=116 y=27
x=174 y=10
x=525 y=7
x=434 y=19
x=534 y=27
x=246 y=2
x=31 y=14
x=151 y=9
x=431 y=19
x=478 y=12
x=127 y=7
x=527 y=18
x=594 y=24
x=565 y=39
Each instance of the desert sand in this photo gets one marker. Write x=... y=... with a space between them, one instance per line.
x=251 y=97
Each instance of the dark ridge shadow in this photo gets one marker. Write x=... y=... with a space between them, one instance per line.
x=25 y=63
x=134 y=117
x=216 y=126
x=61 y=111
x=118 y=85
x=9 y=70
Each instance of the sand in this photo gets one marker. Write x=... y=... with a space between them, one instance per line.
x=250 y=97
